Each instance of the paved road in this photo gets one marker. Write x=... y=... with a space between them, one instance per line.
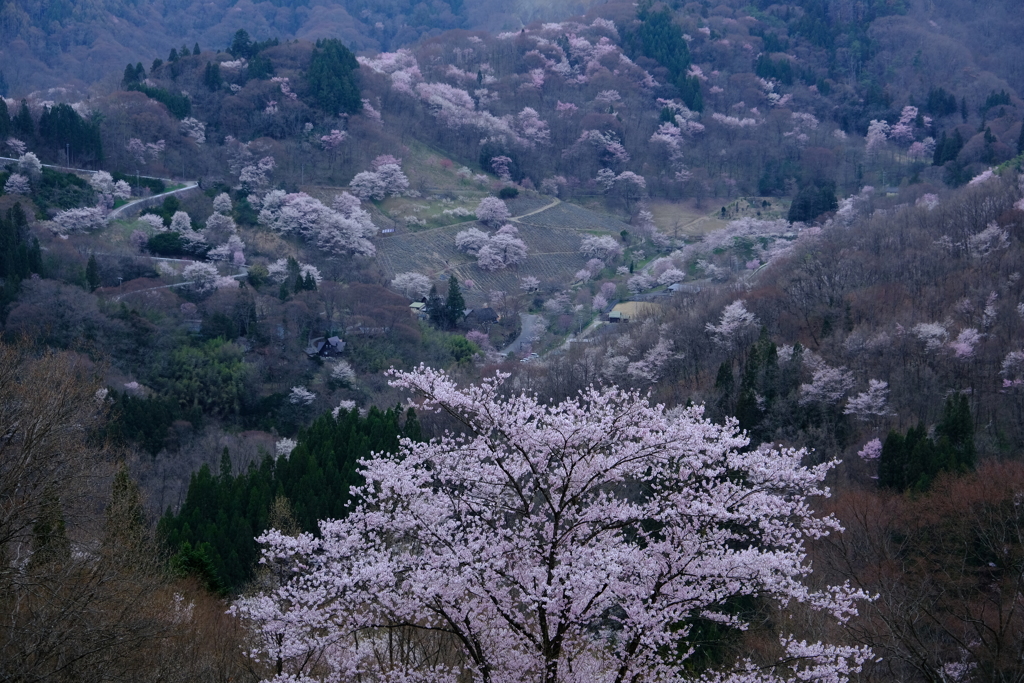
x=530 y=323
x=116 y=213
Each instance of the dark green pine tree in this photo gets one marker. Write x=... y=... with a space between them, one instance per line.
x=725 y=386
x=5 y=119
x=454 y=305
x=211 y=76
x=173 y=56
x=49 y=534
x=124 y=532
x=435 y=307
x=196 y=51
x=1020 y=140
x=955 y=434
x=23 y=124
x=92 y=273
x=241 y=45
x=331 y=78
x=130 y=76
x=3 y=84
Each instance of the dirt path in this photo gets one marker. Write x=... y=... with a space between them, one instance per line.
x=556 y=202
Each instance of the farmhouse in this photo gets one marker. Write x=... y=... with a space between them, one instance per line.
x=628 y=310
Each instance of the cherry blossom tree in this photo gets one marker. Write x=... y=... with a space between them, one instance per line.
x=29 y=165
x=193 y=128
x=17 y=184
x=202 y=276
x=80 y=220
x=343 y=229
x=222 y=204
x=492 y=211
x=16 y=146
x=502 y=250
x=523 y=551
x=735 y=323
x=471 y=240
x=301 y=396
x=413 y=285
x=500 y=165
x=870 y=403
x=603 y=247
x=529 y=284
x=829 y=385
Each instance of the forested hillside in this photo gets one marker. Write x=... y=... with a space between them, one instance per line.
x=504 y=293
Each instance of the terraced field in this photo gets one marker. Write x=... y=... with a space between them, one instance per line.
x=553 y=257
x=553 y=237
x=575 y=217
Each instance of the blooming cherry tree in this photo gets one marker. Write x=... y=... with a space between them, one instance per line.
x=522 y=544
x=870 y=403
x=17 y=184
x=413 y=285
x=492 y=211
x=736 y=320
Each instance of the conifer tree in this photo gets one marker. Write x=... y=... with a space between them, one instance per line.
x=92 y=273
x=455 y=304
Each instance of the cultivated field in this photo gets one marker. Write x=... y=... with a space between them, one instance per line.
x=552 y=236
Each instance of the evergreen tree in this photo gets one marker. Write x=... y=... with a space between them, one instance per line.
x=3 y=84
x=130 y=77
x=5 y=119
x=913 y=461
x=331 y=78
x=435 y=307
x=125 y=524
x=23 y=124
x=1020 y=139
x=49 y=534
x=92 y=273
x=173 y=57
x=241 y=45
x=211 y=76
x=196 y=51
x=212 y=535
x=62 y=127
x=454 y=305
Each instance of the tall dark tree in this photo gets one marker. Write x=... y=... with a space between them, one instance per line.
x=62 y=128
x=455 y=304
x=92 y=273
x=241 y=45
x=331 y=78
x=3 y=84
x=23 y=124
x=5 y=119
x=211 y=76
x=435 y=307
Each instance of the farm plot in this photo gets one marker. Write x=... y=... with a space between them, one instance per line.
x=526 y=203
x=574 y=217
x=553 y=257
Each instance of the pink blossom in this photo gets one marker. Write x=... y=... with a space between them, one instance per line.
x=526 y=528
x=872 y=450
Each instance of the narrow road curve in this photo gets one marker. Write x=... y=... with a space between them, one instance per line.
x=530 y=322
x=116 y=213
x=555 y=202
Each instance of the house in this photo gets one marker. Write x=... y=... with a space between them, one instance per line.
x=322 y=347
x=418 y=309
x=481 y=316
x=628 y=310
